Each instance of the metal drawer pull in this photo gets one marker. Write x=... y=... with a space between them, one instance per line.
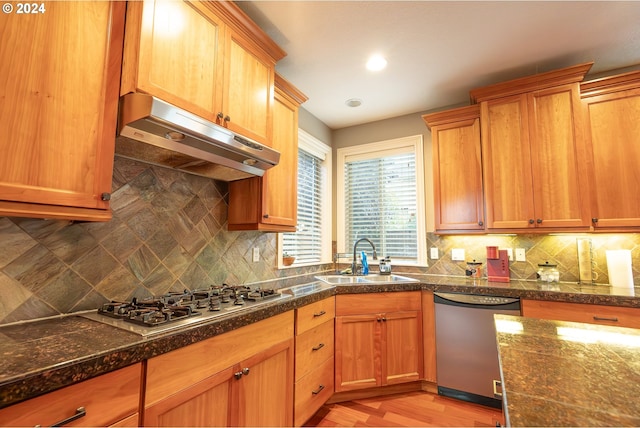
x=597 y=318
x=319 y=347
x=319 y=314
x=80 y=412
x=497 y=384
x=317 y=391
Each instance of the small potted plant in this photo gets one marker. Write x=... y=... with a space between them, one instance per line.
x=287 y=259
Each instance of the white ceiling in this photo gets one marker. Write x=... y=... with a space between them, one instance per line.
x=437 y=51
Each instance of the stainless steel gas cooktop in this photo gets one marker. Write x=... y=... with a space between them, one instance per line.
x=177 y=310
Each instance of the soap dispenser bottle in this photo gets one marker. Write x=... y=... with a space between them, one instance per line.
x=365 y=264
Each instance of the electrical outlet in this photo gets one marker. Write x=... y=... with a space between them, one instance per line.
x=434 y=253
x=510 y=254
x=520 y=257
x=457 y=254
x=256 y=254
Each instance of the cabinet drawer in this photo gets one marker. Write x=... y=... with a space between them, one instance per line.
x=313 y=315
x=312 y=391
x=107 y=399
x=371 y=303
x=313 y=347
x=580 y=312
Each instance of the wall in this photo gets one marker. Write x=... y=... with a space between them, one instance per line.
x=168 y=232
x=314 y=126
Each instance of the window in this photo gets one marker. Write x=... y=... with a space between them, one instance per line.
x=311 y=243
x=380 y=195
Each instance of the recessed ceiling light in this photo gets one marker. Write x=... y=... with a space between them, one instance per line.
x=353 y=102
x=376 y=63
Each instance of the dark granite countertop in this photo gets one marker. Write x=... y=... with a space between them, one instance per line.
x=557 y=373
x=43 y=355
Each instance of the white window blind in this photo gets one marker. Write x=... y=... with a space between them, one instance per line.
x=381 y=203
x=306 y=243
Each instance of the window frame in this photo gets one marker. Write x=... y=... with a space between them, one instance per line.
x=314 y=146
x=371 y=151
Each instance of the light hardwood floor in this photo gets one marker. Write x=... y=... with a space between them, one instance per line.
x=411 y=409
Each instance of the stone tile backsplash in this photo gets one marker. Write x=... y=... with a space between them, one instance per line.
x=560 y=249
x=168 y=232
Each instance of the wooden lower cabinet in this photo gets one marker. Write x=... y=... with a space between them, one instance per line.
x=429 y=336
x=240 y=378
x=111 y=399
x=581 y=312
x=378 y=340
x=314 y=371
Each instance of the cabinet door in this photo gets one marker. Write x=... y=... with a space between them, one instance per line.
x=270 y=203
x=457 y=176
x=281 y=182
x=613 y=136
x=59 y=96
x=174 y=51
x=560 y=199
x=248 y=95
x=358 y=358
x=401 y=347
x=506 y=161
x=265 y=390
x=207 y=403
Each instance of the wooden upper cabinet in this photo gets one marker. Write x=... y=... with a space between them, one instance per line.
x=533 y=162
x=248 y=100
x=59 y=96
x=561 y=193
x=457 y=169
x=507 y=162
x=174 y=50
x=205 y=57
x=270 y=202
x=612 y=108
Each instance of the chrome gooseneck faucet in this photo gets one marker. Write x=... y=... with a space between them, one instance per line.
x=354 y=264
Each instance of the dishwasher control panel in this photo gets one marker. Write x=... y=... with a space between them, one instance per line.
x=475 y=299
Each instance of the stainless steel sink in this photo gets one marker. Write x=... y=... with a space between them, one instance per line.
x=313 y=287
x=365 y=279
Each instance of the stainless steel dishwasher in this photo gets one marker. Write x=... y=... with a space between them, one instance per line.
x=466 y=350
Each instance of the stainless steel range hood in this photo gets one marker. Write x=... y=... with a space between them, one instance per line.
x=153 y=131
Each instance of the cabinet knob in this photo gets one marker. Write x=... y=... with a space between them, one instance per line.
x=539 y=221
x=105 y=196
x=227 y=118
x=245 y=371
x=531 y=221
x=220 y=115
x=480 y=223
x=594 y=220
x=266 y=216
x=237 y=375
